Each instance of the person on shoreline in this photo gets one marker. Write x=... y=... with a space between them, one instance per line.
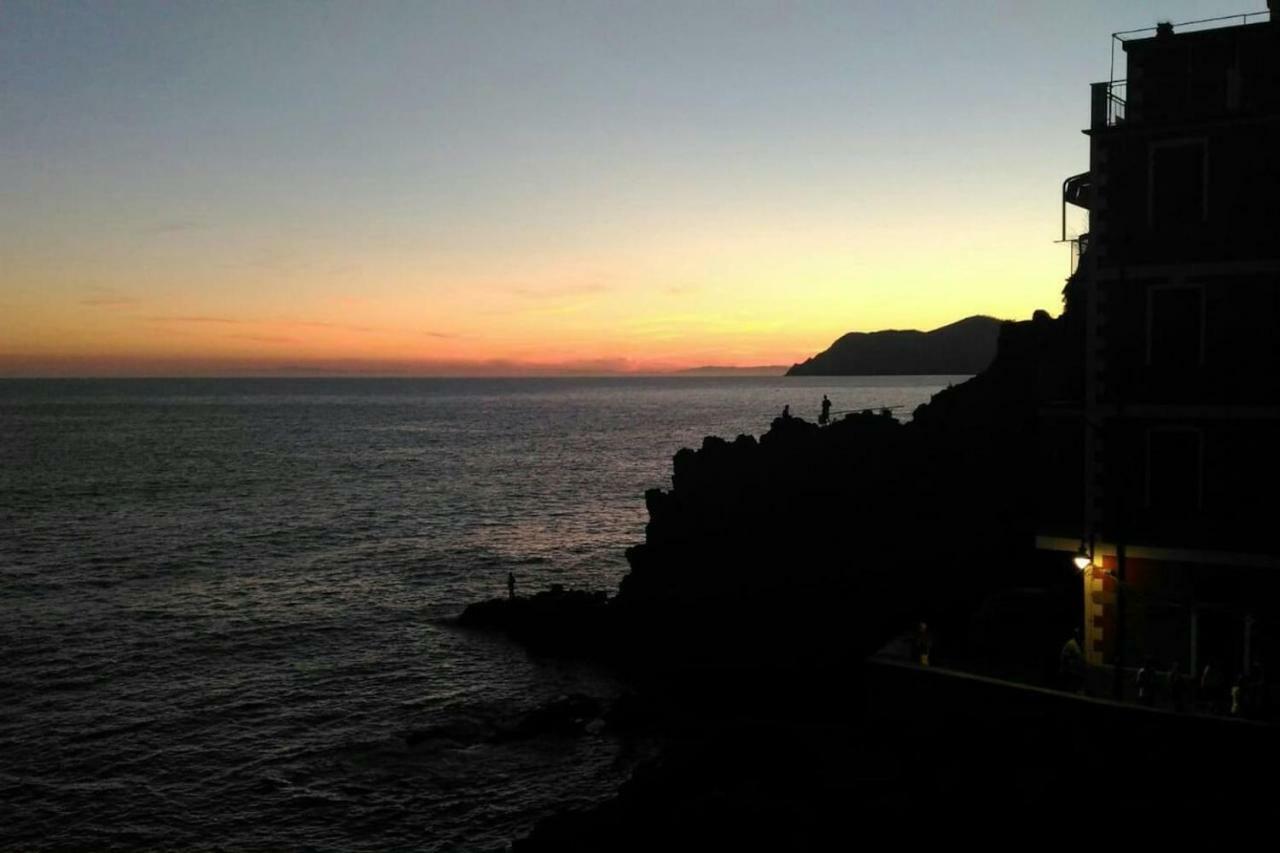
x=1146 y=682
x=825 y=417
x=921 y=645
x=511 y=585
x=1259 y=698
x=786 y=412
x=1071 y=664
x=1213 y=690
x=1176 y=687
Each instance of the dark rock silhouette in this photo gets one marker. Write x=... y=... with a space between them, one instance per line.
x=553 y=621
x=567 y=715
x=772 y=566
x=770 y=570
x=912 y=753
x=804 y=549
x=960 y=348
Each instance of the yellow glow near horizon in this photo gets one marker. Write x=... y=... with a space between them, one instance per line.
x=448 y=189
x=747 y=302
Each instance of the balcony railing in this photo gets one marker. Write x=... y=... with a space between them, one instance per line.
x=1109 y=103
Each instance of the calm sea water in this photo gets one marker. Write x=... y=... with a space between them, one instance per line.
x=224 y=603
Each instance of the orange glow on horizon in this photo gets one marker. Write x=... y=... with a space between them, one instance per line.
x=681 y=305
x=441 y=189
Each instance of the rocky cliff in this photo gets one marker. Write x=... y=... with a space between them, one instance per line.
x=808 y=546
x=769 y=571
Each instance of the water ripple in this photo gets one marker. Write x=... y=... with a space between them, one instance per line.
x=223 y=604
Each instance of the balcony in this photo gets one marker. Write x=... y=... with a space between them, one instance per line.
x=1108 y=104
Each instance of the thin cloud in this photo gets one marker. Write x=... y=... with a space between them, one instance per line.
x=560 y=292
x=348 y=327
x=173 y=226
x=105 y=297
x=198 y=318
x=297 y=324
x=109 y=301
x=264 y=339
x=26 y=364
x=311 y=369
x=341 y=327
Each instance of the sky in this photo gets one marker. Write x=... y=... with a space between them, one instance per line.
x=459 y=188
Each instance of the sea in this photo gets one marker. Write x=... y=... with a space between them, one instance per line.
x=226 y=604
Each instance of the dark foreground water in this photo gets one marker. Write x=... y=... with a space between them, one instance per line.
x=224 y=603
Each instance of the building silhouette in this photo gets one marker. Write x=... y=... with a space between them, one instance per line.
x=1166 y=468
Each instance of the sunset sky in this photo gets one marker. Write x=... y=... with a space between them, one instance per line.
x=483 y=187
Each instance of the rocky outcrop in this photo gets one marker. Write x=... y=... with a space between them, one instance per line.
x=571 y=715
x=809 y=546
x=557 y=620
x=768 y=572
x=836 y=535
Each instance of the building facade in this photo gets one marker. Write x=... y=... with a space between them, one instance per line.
x=1175 y=443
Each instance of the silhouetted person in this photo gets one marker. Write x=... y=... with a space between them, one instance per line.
x=921 y=645
x=1146 y=682
x=1213 y=689
x=1260 y=706
x=786 y=412
x=1071 y=663
x=825 y=417
x=511 y=585
x=1176 y=686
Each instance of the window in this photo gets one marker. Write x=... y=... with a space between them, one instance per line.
x=1235 y=83
x=1178 y=188
x=1175 y=326
x=1175 y=463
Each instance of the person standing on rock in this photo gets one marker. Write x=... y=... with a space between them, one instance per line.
x=1071 y=663
x=786 y=412
x=1213 y=690
x=1146 y=681
x=921 y=645
x=825 y=417
x=511 y=585
x=1177 y=689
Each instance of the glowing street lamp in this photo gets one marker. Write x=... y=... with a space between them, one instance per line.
x=1083 y=559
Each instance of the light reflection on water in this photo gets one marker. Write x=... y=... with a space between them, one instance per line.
x=222 y=600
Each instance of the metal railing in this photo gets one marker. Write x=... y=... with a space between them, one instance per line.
x=1110 y=98
x=1204 y=23
x=1116 y=92
x=1109 y=106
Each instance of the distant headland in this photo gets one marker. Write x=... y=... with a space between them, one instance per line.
x=963 y=347
x=718 y=370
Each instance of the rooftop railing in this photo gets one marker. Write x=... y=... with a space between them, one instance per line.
x=1109 y=99
x=1203 y=24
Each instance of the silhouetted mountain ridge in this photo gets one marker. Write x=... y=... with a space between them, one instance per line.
x=719 y=370
x=964 y=347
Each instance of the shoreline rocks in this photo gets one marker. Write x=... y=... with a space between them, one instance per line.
x=769 y=571
x=557 y=620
